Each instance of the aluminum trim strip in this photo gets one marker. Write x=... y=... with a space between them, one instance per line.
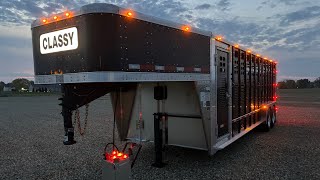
x=109 y=76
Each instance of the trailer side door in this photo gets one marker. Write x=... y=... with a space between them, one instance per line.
x=222 y=60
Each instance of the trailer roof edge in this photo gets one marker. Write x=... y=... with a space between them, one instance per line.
x=110 y=8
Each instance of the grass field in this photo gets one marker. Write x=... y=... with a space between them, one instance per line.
x=31 y=134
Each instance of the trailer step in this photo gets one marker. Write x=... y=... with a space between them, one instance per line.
x=220 y=146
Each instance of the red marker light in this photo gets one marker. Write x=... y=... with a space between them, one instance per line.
x=114 y=157
x=114 y=152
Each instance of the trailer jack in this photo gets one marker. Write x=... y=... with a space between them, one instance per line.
x=159 y=143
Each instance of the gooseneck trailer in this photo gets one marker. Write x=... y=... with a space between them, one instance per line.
x=169 y=83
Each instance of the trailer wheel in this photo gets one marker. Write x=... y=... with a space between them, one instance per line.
x=267 y=123
x=273 y=117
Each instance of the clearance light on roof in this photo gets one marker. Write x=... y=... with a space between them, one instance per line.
x=186 y=28
x=265 y=58
x=67 y=14
x=129 y=14
x=55 y=17
x=248 y=51
x=264 y=107
x=219 y=38
x=258 y=55
x=236 y=45
x=271 y=60
x=44 y=21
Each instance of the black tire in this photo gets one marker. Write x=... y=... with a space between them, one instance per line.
x=273 y=117
x=267 y=123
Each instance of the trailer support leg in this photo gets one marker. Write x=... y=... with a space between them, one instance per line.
x=158 y=141
x=68 y=128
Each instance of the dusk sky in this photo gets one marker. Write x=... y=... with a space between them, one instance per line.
x=285 y=30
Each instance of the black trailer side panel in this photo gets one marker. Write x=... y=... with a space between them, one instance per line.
x=110 y=42
x=248 y=87
x=235 y=82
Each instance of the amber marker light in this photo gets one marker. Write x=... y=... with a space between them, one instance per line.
x=67 y=14
x=55 y=17
x=44 y=20
x=264 y=107
x=129 y=14
x=186 y=28
x=219 y=38
x=248 y=51
x=265 y=58
x=236 y=45
x=258 y=55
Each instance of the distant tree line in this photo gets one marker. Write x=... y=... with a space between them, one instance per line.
x=301 y=83
x=24 y=85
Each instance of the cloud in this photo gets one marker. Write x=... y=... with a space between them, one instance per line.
x=291 y=33
x=203 y=6
x=224 y=5
x=301 y=15
x=288 y=2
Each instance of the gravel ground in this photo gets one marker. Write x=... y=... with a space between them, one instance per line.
x=31 y=134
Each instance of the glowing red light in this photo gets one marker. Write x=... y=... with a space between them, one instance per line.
x=114 y=157
x=119 y=154
x=114 y=152
x=125 y=156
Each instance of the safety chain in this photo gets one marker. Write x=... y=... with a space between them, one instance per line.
x=77 y=120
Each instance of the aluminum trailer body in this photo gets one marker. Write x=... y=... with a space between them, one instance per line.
x=169 y=83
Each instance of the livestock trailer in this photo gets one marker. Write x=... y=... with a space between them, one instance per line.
x=170 y=83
